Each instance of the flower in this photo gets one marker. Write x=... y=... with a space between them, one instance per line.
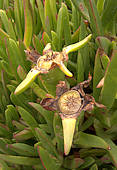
x=69 y=103
x=49 y=60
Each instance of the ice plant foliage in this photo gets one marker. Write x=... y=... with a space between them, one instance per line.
x=28 y=29
x=69 y=103
x=48 y=61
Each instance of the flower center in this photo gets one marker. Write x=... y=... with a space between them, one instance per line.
x=70 y=102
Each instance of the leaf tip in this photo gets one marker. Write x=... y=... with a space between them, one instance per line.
x=101 y=83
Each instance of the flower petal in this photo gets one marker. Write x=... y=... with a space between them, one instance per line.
x=27 y=81
x=68 y=132
x=64 y=69
x=78 y=45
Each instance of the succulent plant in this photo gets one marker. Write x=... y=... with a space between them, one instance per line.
x=31 y=137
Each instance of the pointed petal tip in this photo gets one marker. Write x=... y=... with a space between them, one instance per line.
x=69 y=74
x=78 y=45
x=68 y=132
x=27 y=81
x=64 y=69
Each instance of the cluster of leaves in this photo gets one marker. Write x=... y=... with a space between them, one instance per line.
x=31 y=137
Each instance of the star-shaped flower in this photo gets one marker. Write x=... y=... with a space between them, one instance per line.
x=69 y=103
x=48 y=61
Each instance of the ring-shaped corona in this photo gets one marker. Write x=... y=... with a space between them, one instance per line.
x=70 y=102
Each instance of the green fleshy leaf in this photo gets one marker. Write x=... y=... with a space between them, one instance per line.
x=113 y=118
x=27 y=117
x=38 y=44
x=112 y=132
x=41 y=13
x=48 y=16
x=112 y=151
x=87 y=140
x=75 y=36
x=39 y=24
x=38 y=91
x=11 y=88
x=95 y=20
x=20 y=160
x=104 y=43
x=60 y=27
x=69 y=3
x=75 y=18
x=14 y=60
x=110 y=82
x=98 y=75
x=3 y=147
x=80 y=5
x=100 y=6
x=26 y=63
x=87 y=123
x=91 y=152
x=66 y=26
x=6 y=67
x=1 y=4
x=5 y=91
x=109 y=13
x=21 y=72
x=55 y=40
x=46 y=38
x=80 y=68
x=7 y=24
x=94 y=167
x=23 y=149
x=6 y=4
x=72 y=163
x=3 y=165
x=23 y=135
x=11 y=114
x=88 y=162
x=21 y=100
x=18 y=125
x=84 y=51
x=48 y=116
x=103 y=119
x=34 y=15
x=28 y=23
x=3 y=53
x=49 y=161
x=50 y=80
x=18 y=19
x=4 y=131
x=58 y=130
x=46 y=141
x=53 y=12
x=105 y=61
x=45 y=128
x=3 y=34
